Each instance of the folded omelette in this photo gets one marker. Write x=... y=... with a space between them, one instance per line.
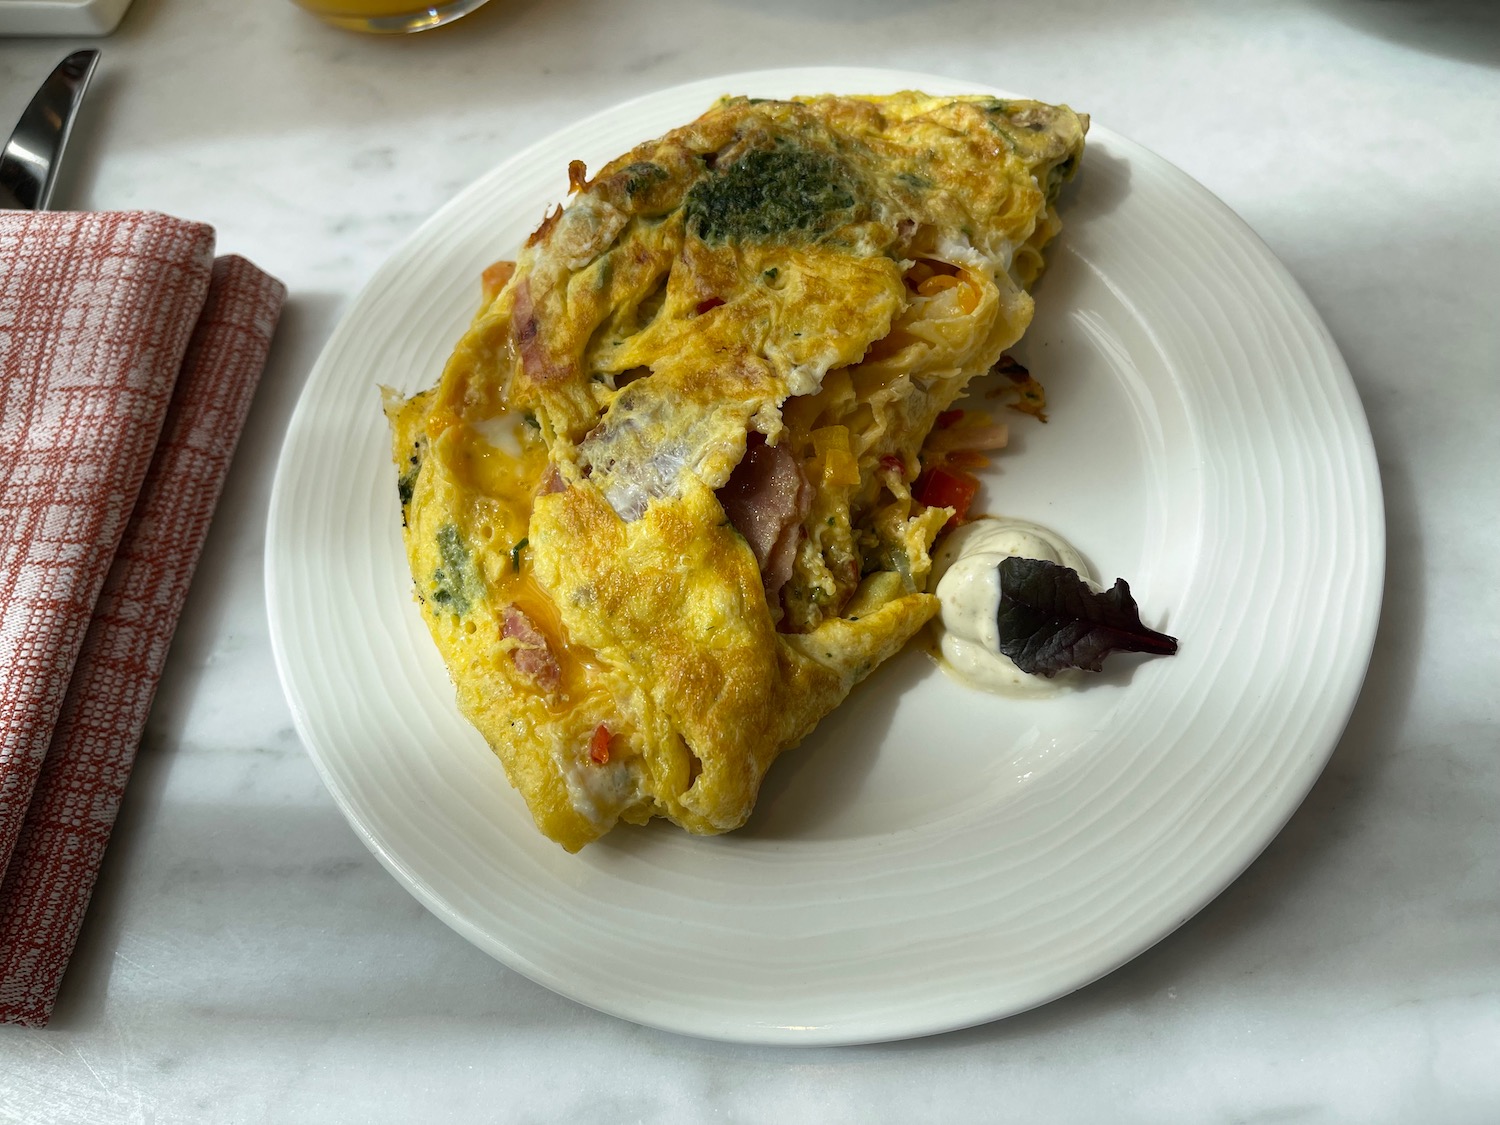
x=659 y=508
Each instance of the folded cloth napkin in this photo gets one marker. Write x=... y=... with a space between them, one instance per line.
x=128 y=358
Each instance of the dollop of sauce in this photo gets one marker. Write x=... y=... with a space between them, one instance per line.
x=966 y=570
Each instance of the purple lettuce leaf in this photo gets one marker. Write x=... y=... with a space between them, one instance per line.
x=1051 y=620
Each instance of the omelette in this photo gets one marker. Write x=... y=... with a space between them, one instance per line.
x=660 y=509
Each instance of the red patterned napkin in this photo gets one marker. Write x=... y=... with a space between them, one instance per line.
x=128 y=357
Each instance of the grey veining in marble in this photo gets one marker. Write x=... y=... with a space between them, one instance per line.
x=246 y=959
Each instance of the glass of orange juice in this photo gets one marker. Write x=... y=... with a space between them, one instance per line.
x=389 y=15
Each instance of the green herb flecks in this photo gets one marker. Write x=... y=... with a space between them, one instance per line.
x=1050 y=620
x=515 y=553
x=1058 y=175
x=406 y=483
x=453 y=580
x=769 y=194
x=642 y=176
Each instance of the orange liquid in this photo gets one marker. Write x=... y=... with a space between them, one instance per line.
x=388 y=15
x=364 y=9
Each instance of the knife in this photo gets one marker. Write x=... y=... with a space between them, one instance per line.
x=29 y=162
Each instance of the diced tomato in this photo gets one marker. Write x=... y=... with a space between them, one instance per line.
x=599 y=745
x=948 y=417
x=891 y=461
x=494 y=277
x=710 y=303
x=948 y=488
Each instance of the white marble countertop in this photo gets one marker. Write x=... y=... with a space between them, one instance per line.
x=245 y=959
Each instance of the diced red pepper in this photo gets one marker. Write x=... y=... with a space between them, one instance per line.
x=599 y=745
x=710 y=303
x=948 y=488
x=948 y=417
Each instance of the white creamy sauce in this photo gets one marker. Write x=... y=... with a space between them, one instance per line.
x=503 y=432
x=967 y=576
x=599 y=792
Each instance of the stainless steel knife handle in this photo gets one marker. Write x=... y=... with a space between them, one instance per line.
x=29 y=162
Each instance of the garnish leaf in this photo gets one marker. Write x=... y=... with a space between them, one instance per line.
x=1050 y=620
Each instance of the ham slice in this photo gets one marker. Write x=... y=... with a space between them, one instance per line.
x=767 y=498
x=525 y=329
x=532 y=655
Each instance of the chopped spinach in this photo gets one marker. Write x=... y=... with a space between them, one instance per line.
x=1058 y=175
x=769 y=194
x=406 y=483
x=642 y=176
x=453 y=580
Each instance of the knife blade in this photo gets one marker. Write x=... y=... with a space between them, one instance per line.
x=30 y=159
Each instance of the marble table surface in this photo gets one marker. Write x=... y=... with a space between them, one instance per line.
x=245 y=958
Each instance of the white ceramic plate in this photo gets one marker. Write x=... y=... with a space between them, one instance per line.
x=931 y=858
